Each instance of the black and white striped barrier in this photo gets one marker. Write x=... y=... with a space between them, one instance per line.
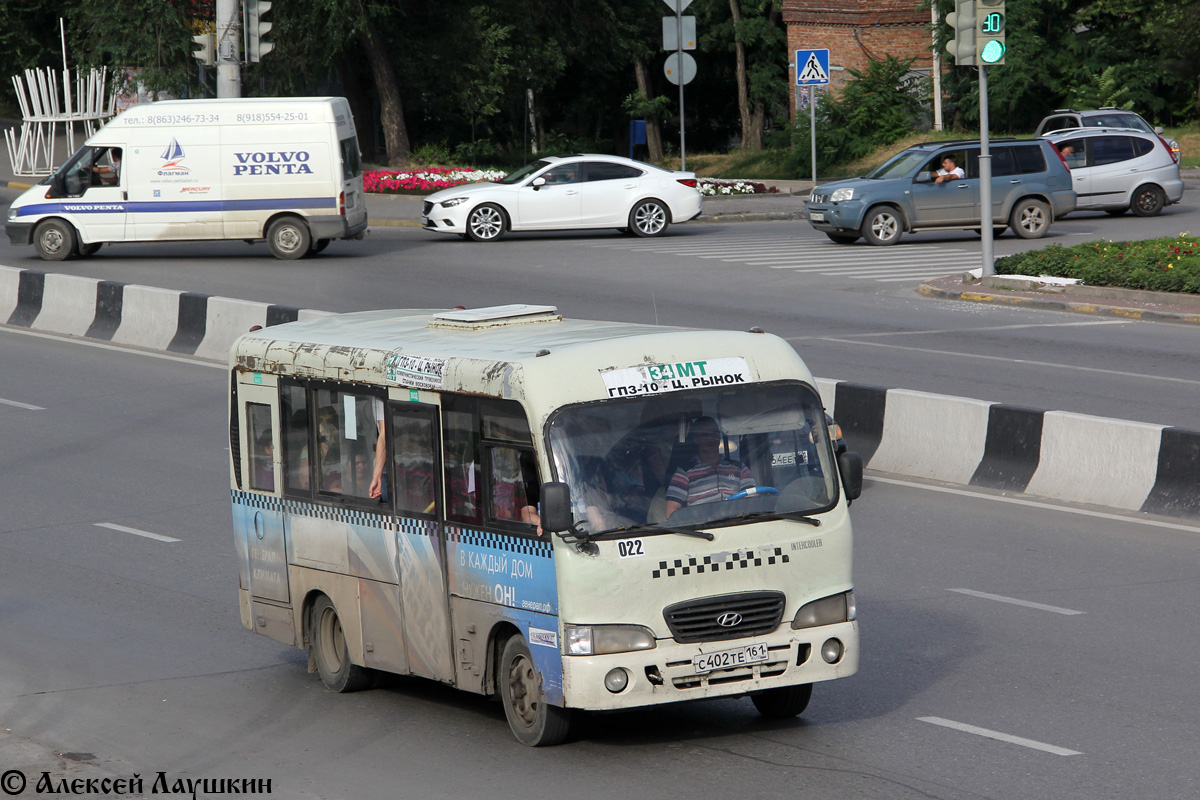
x=142 y=316
x=1134 y=466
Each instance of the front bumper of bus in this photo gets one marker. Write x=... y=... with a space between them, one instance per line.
x=667 y=673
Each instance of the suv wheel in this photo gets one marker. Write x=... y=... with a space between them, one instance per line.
x=882 y=226
x=1030 y=219
x=1148 y=201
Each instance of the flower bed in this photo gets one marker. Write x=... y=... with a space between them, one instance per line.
x=431 y=179
x=426 y=179
x=1171 y=264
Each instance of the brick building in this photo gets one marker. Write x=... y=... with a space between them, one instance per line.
x=855 y=32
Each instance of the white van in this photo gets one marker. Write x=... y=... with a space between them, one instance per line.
x=282 y=169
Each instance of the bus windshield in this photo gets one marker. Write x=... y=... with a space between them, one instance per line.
x=695 y=458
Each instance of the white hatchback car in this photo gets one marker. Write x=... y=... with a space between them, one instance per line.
x=568 y=192
x=1120 y=169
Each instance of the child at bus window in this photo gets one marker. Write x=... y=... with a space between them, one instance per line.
x=264 y=464
x=329 y=456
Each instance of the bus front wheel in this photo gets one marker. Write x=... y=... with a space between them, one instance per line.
x=534 y=721
x=331 y=653
x=783 y=702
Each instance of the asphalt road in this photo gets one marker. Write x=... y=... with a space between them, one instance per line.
x=1009 y=649
x=851 y=311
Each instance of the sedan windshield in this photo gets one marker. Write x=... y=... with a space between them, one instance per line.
x=693 y=459
x=899 y=165
x=523 y=173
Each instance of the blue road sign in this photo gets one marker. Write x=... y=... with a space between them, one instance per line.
x=812 y=67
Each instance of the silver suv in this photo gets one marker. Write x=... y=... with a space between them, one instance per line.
x=1031 y=187
x=1106 y=117
x=1118 y=170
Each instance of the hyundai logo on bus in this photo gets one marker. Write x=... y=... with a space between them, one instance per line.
x=272 y=162
x=729 y=619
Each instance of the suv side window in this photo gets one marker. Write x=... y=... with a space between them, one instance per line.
x=1111 y=149
x=1003 y=162
x=1030 y=158
x=1059 y=123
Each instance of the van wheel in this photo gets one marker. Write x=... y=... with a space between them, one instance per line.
x=1148 y=201
x=648 y=218
x=882 y=226
x=486 y=223
x=783 y=702
x=288 y=238
x=1030 y=219
x=331 y=653
x=533 y=721
x=54 y=240
x=89 y=249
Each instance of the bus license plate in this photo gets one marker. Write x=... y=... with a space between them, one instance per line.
x=726 y=659
x=816 y=216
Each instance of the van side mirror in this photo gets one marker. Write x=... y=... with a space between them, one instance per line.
x=556 y=507
x=850 y=466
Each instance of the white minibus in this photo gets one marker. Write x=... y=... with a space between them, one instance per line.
x=563 y=514
x=283 y=169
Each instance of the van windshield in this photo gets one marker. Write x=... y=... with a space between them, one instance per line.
x=695 y=458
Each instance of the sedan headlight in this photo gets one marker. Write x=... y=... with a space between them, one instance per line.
x=598 y=640
x=452 y=202
x=846 y=193
x=826 y=611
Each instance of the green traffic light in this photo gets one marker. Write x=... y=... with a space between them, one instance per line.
x=992 y=52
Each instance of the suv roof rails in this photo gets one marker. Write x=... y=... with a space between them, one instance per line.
x=1065 y=111
x=955 y=142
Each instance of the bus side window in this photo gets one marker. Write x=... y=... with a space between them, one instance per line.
x=460 y=424
x=295 y=421
x=514 y=483
x=413 y=457
x=348 y=430
x=262 y=447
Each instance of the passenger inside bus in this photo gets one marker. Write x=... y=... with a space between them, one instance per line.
x=711 y=475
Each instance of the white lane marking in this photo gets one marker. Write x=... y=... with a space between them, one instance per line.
x=197 y=360
x=1083 y=512
x=1002 y=737
x=1073 y=323
x=15 y=404
x=1007 y=360
x=155 y=536
x=999 y=598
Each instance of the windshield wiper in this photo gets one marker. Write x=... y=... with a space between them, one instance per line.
x=619 y=532
x=769 y=515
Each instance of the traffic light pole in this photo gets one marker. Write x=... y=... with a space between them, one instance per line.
x=985 y=177
x=229 y=46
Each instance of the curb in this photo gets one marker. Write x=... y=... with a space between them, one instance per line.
x=1052 y=454
x=1047 y=304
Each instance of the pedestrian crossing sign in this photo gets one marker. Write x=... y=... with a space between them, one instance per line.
x=812 y=67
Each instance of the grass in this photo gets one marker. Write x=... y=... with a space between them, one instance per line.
x=1169 y=264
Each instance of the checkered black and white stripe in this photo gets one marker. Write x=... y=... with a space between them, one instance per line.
x=498 y=541
x=707 y=564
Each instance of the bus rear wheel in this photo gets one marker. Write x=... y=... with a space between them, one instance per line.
x=331 y=653
x=533 y=721
x=783 y=702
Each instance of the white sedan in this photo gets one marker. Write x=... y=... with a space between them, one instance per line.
x=561 y=193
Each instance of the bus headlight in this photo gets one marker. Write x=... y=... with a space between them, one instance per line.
x=598 y=640
x=826 y=611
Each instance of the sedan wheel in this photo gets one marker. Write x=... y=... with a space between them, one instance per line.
x=882 y=226
x=486 y=223
x=1148 y=201
x=1030 y=219
x=648 y=218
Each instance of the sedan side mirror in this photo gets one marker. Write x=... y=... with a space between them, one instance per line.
x=538 y=183
x=556 y=506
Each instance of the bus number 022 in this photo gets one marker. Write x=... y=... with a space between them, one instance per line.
x=630 y=548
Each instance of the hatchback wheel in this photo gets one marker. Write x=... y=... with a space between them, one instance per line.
x=882 y=226
x=1030 y=219
x=1148 y=201
x=648 y=218
x=486 y=223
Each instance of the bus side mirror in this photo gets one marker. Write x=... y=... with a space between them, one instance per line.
x=556 y=507
x=850 y=466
